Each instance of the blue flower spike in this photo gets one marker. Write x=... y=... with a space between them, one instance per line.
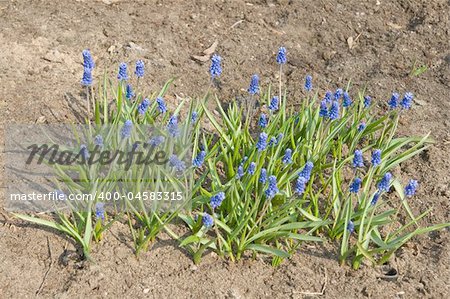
x=216 y=200
x=355 y=185
x=199 y=159
x=122 y=75
x=411 y=188
x=358 y=160
x=215 y=70
x=140 y=69
x=393 y=102
x=308 y=83
x=272 y=189
x=385 y=182
x=406 y=102
x=262 y=142
x=333 y=112
x=281 y=56
x=376 y=157
x=207 y=220
x=88 y=61
x=254 y=85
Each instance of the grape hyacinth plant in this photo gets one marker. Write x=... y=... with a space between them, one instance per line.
x=263 y=183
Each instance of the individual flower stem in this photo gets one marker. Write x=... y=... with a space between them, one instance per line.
x=137 y=87
x=219 y=242
x=248 y=116
x=88 y=104
x=281 y=73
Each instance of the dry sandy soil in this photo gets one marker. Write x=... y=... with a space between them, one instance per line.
x=40 y=62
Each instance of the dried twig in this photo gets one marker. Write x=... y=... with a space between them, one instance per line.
x=49 y=268
x=237 y=23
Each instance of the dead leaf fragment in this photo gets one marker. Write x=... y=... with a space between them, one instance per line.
x=204 y=58
x=211 y=49
x=41 y=119
x=208 y=52
x=350 y=42
x=420 y=102
x=394 y=26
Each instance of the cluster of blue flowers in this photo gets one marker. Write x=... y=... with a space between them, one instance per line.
x=393 y=102
x=254 y=85
x=308 y=83
x=338 y=94
x=122 y=74
x=281 y=56
x=240 y=171
x=142 y=108
x=100 y=211
x=140 y=69
x=287 y=158
x=215 y=69
x=263 y=176
x=300 y=185
x=405 y=103
x=199 y=159
x=410 y=189
x=330 y=108
x=407 y=100
x=207 y=220
x=361 y=126
x=172 y=126
x=272 y=189
x=252 y=168
x=358 y=160
x=306 y=171
x=262 y=142
x=129 y=94
x=156 y=140
x=216 y=200
x=88 y=66
x=347 y=100
x=98 y=140
x=385 y=182
x=376 y=157
x=161 y=105
x=355 y=185
x=126 y=129
x=303 y=178
x=351 y=226
x=84 y=152
x=367 y=101
x=194 y=117
x=263 y=120
x=274 y=104
x=177 y=164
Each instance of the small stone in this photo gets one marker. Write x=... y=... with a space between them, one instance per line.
x=327 y=55
x=54 y=56
x=146 y=291
x=420 y=102
x=193 y=268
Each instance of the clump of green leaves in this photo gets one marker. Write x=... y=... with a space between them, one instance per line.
x=263 y=182
x=249 y=221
